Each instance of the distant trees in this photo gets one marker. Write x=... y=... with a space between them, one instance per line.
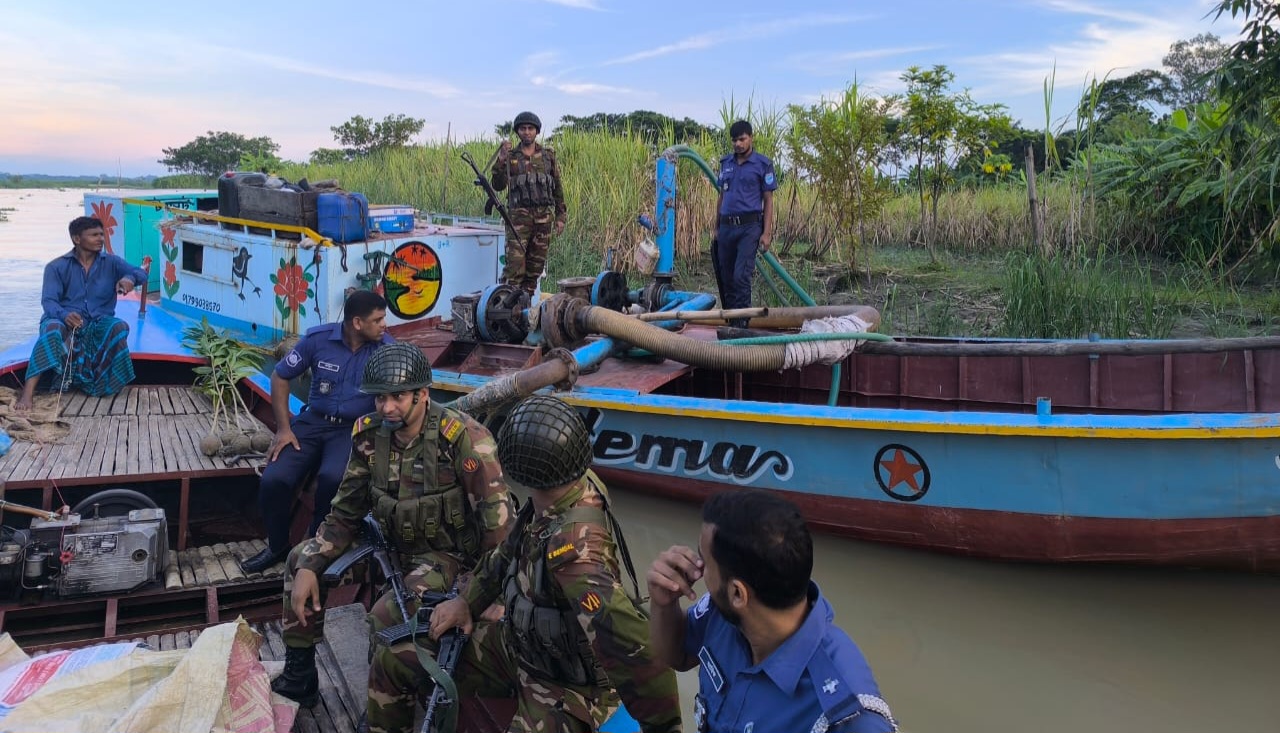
x=214 y=153
x=360 y=136
x=651 y=126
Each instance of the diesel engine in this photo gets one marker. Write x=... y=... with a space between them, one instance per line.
x=71 y=556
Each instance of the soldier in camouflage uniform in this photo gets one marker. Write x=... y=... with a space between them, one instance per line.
x=573 y=641
x=431 y=478
x=535 y=201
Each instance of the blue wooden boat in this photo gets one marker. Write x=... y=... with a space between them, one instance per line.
x=1152 y=452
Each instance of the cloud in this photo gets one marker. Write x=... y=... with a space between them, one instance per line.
x=1117 y=42
x=430 y=87
x=578 y=4
x=763 y=29
x=836 y=62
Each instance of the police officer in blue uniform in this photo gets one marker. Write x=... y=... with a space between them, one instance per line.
x=744 y=217
x=319 y=438
x=770 y=657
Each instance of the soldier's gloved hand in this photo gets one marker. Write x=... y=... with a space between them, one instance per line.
x=673 y=574
x=449 y=615
x=504 y=151
x=306 y=587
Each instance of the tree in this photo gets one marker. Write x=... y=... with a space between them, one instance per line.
x=651 y=126
x=360 y=136
x=1191 y=65
x=938 y=129
x=327 y=156
x=838 y=146
x=1129 y=96
x=215 y=153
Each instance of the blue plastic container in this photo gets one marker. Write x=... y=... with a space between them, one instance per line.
x=342 y=217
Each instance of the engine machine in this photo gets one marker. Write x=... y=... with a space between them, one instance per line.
x=70 y=555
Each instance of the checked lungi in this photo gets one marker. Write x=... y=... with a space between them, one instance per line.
x=99 y=364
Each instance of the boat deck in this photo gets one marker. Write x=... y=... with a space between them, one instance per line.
x=142 y=433
x=146 y=437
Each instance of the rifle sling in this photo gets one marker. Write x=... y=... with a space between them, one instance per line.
x=449 y=721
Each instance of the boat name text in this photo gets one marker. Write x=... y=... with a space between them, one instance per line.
x=740 y=463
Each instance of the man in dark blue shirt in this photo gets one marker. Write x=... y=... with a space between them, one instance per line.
x=319 y=438
x=770 y=657
x=82 y=344
x=744 y=218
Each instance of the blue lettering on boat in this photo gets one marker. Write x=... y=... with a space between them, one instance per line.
x=740 y=463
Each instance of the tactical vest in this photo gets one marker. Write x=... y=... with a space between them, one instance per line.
x=543 y=626
x=435 y=515
x=532 y=184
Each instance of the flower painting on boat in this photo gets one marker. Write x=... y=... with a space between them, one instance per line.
x=102 y=212
x=169 y=281
x=292 y=288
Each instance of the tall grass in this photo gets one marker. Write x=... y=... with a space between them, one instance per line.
x=609 y=180
x=1067 y=295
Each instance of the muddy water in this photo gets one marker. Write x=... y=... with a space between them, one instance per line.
x=959 y=646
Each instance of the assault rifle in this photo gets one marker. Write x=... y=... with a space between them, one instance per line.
x=374 y=544
x=494 y=202
x=444 y=699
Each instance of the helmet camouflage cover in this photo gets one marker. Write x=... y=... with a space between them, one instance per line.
x=544 y=443
x=396 y=368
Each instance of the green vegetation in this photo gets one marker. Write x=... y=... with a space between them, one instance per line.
x=1151 y=215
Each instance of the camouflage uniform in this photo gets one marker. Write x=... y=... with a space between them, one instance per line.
x=435 y=540
x=579 y=558
x=536 y=204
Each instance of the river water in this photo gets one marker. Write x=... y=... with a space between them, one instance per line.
x=958 y=645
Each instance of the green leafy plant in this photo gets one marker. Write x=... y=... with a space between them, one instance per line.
x=229 y=362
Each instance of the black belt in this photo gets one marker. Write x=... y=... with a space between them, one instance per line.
x=737 y=220
x=333 y=419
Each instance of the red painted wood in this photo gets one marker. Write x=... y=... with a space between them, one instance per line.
x=1251 y=543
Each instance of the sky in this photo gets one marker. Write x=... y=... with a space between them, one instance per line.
x=91 y=87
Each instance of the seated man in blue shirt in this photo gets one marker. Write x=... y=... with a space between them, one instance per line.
x=82 y=345
x=319 y=438
x=770 y=657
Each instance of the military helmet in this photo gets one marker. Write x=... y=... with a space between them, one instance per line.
x=544 y=443
x=527 y=118
x=396 y=368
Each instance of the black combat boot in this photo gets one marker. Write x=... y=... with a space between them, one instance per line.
x=299 y=681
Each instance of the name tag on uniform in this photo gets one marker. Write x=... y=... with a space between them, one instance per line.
x=327 y=366
x=712 y=669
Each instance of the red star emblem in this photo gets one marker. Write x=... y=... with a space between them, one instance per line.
x=902 y=470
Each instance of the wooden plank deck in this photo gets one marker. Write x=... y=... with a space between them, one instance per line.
x=142 y=432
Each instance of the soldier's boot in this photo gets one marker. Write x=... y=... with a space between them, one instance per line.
x=300 y=681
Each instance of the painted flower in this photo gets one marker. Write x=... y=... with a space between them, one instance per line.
x=170 y=274
x=102 y=212
x=291 y=284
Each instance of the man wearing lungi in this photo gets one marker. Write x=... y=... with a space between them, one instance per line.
x=82 y=344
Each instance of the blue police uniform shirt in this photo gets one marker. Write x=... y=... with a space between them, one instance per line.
x=336 y=371
x=817 y=680
x=743 y=184
x=69 y=289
